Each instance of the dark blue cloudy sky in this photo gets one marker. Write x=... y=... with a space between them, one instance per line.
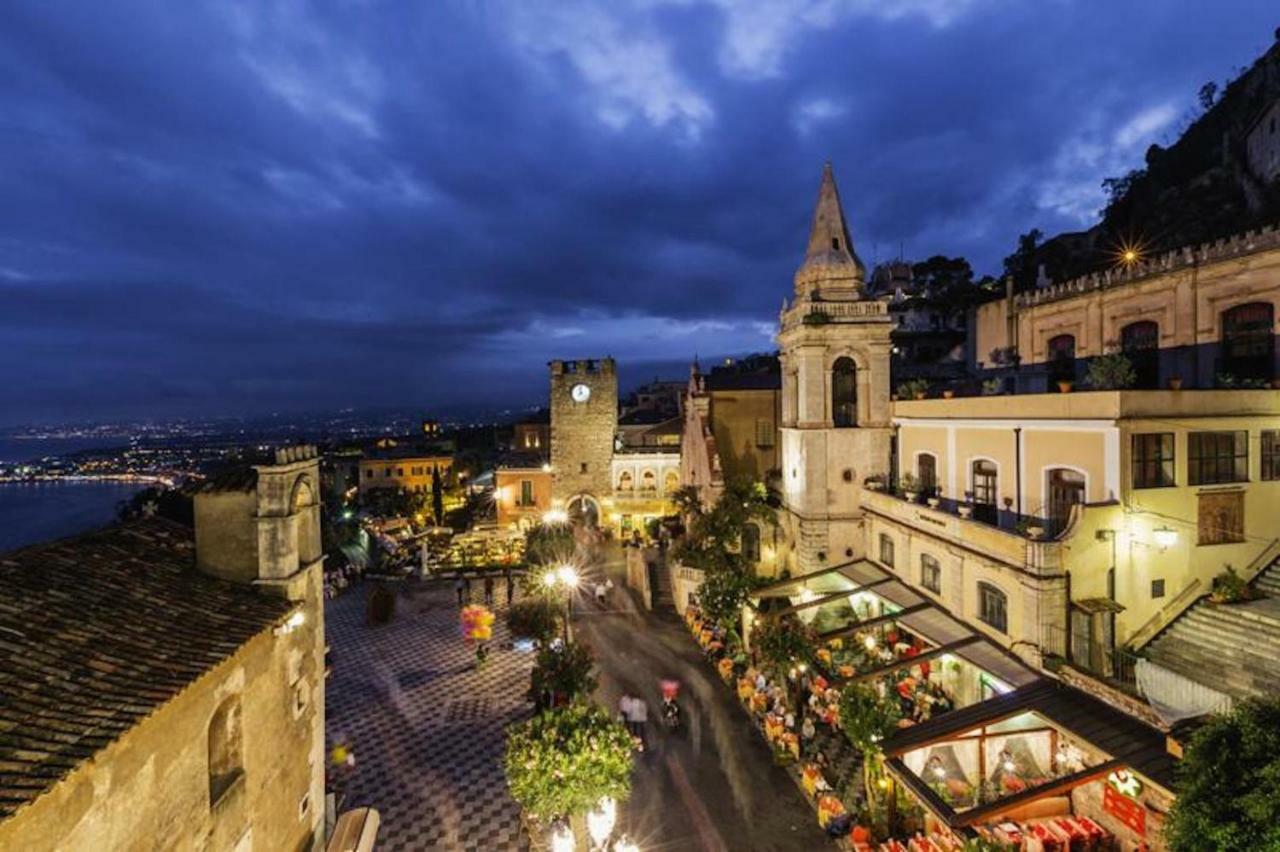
x=212 y=207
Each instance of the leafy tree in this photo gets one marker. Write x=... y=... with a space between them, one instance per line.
x=723 y=594
x=562 y=762
x=865 y=717
x=534 y=617
x=564 y=671
x=714 y=534
x=1208 y=95
x=392 y=502
x=1229 y=783
x=549 y=544
x=781 y=642
x=437 y=496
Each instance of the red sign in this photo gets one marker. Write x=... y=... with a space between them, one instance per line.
x=1128 y=811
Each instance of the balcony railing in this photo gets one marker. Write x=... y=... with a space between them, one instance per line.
x=1116 y=666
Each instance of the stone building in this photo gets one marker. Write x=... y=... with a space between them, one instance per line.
x=1199 y=317
x=404 y=467
x=165 y=689
x=835 y=429
x=584 y=426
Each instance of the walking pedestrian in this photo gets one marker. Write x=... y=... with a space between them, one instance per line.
x=600 y=591
x=488 y=590
x=466 y=588
x=624 y=710
x=511 y=586
x=459 y=586
x=639 y=717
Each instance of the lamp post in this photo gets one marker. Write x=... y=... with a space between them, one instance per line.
x=566 y=577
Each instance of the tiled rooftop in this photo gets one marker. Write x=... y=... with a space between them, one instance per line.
x=96 y=633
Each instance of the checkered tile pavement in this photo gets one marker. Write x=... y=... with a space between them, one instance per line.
x=426 y=729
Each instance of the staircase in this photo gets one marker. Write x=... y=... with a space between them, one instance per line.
x=1232 y=648
x=660 y=585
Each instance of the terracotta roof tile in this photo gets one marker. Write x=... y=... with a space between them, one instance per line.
x=96 y=633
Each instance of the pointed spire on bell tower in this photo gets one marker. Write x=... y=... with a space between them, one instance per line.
x=830 y=265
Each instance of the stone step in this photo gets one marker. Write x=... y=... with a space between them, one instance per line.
x=1225 y=645
x=1239 y=677
x=1236 y=617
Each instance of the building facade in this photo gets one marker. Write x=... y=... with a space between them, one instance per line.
x=522 y=491
x=174 y=684
x=407 y=469
x=584 y=427
x=1199 y=317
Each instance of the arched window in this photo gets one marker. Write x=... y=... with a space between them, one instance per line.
x=1065 y=488
x=1062 y=358
x=226 y=762
x=1140 y=343
x=844 y=392
x=671 y=482
x=993 y=607
x=927 y=473
x=985 y=490
x=930 y=573
x=751 y=543
x=648 y=481
x=1248 y=342
x=625 y=481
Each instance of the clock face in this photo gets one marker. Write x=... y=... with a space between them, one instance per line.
x=581 y=393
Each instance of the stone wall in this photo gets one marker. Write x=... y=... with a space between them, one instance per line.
x=151 y=790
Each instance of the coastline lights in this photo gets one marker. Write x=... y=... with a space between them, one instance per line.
x=600 y=821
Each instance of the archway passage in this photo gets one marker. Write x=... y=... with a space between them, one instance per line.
x=584 y=511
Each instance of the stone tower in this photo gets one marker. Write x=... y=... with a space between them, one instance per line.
x=584 y=421
x=261 y=524
x=835 y=347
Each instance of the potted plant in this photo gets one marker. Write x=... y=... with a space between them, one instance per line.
x=948 y=393
x=1030 y=528
x=991 y=387
x=1229 y=587
x=1112 y=371
x=966 y=508
x=909 y=486
x=914 y=389
x=935 y=498
x=1175 y=383
x=874 y=483
x=1065 y=385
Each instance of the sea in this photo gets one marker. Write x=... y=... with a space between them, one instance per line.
x=31 y=512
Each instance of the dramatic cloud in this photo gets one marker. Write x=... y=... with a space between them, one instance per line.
x=217 y=206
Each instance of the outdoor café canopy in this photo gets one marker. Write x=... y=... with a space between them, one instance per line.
x=1121 y=741
x=903 y=605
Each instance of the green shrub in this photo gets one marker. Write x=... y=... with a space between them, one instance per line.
x=564 y=671
x=865 y=717
x=562 y=762
x=535 y=618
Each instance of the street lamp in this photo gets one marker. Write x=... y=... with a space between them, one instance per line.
x=600 y=821
x=565 y=576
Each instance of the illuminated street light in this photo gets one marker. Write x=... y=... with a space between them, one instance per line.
x=624 y=844
x=562 y=839
x=1165 y=537
x=568 y=575
x=600 y=821
x=549 y=579
x=555 y=516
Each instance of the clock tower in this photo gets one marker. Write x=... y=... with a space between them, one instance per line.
x=835 y=433
x=584 y=422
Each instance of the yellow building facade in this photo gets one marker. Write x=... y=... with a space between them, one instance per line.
x=1089 y=517
x=410 y=472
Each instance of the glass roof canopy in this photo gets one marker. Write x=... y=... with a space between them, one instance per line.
x=845 y=598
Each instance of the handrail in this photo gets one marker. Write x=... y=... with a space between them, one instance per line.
x=1265 y=558
x=1153 y=625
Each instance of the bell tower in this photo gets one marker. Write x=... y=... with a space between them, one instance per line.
x=584 y=422
x=834 y=343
